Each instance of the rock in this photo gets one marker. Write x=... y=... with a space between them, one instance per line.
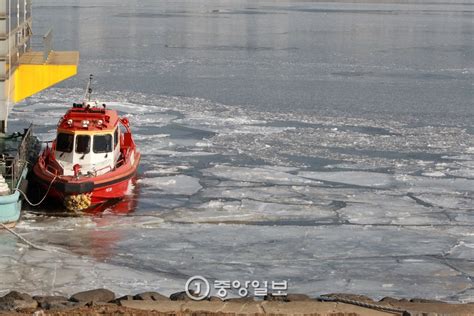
x=180 y=296
x=18 y=296
x=101 y=304
x=98 y=295
x=49 y=299
x=215 y=299
x=287 y=298
x=25 y=305
x=17 y=305
x=6 y=305
x=352 y=297
x=123 y=298
x=60 y=305
x=273 y=298
x=388 y=299
x=150 y=296
x=15 y=301
x=422 y=300
x=51 y=302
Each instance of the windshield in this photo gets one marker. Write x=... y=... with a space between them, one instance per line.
x=83 y=144
x=64 y=142
x=102 y=143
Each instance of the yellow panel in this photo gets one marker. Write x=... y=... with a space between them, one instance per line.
x=33 y=78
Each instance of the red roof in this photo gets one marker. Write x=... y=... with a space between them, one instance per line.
x=99 y=119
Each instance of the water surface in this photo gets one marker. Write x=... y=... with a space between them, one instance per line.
x=326 y=143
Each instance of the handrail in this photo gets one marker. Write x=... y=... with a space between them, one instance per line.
x=103 y=168
x=14 y=166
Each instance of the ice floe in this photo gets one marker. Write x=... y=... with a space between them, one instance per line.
x=313 y=259
x=177 y=185
x=435 y=185
x=343 y=204
x=250 y=211
x=260 y=175
x=358 y=178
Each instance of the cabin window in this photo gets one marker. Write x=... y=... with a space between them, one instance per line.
x=116 y=137
x=102 y=143
x=64 y=142
x=83 y=144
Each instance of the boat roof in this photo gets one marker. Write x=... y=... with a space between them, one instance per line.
x=88 y=117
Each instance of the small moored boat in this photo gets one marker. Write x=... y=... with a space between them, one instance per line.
x=13 y=170
x=93 y=159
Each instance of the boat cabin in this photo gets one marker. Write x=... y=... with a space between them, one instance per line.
x=88 y=140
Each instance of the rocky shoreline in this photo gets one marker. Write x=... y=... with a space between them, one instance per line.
x=105 y=302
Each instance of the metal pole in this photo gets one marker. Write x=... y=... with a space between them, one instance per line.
x=87 y=96
x=47 y=44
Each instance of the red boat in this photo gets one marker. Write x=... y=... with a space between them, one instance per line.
x=92 y=161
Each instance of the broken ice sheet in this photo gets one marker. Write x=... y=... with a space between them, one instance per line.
x=45 y=273
x=462 y=173
x=417 y=184
x=262 y=175
x=363 y=165
x=376 y=256
x=456 y=201
x=379 y=208
x=358 y=178
x=152 y=205
x=464 y=249
x=462 y=217
x=285 y=195
x=315 y=260
x=151 y=121
x=248 y=211
x=171 y=153
x=178 y=185
x=372 y=213
x=164 y=170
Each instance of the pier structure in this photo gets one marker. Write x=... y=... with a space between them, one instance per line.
x=23 y=71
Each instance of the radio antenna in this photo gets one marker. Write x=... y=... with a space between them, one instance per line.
x=87 y=96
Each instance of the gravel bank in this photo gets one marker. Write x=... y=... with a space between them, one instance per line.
x=105 y=302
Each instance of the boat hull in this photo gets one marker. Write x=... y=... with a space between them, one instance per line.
x=10 y=209
x=10 y=205
x=103 y=189
x=99 y=195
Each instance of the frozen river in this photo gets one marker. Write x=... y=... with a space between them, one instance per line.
x=329 y=144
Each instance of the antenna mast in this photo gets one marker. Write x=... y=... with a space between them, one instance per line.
x=87 y=96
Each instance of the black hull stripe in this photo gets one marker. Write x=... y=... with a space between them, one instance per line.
x=85 y=187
